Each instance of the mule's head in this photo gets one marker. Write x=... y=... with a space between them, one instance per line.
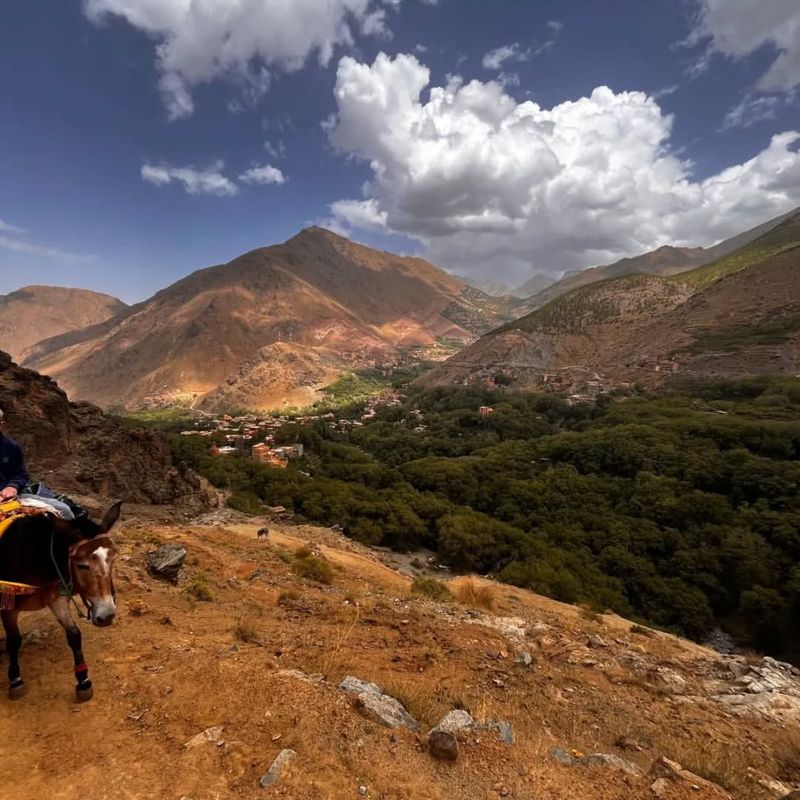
x=92 y=563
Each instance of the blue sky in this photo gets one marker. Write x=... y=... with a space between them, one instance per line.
x=124 y=166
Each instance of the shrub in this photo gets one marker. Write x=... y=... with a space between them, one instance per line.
x=245 y=631
x=313 y=568
x=199 y=589
x=431 y=588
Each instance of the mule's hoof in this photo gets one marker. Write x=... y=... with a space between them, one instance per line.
x=84 y=692
x=17 y=690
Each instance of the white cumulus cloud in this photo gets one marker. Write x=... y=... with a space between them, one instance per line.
x=209 y=180
x=491 y=185
x=200 y=40
x=737 y=28
x=265 y=174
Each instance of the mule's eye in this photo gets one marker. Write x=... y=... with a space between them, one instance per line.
x=82 y=566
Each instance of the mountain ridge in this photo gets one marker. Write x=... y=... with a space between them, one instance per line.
x=344 y=305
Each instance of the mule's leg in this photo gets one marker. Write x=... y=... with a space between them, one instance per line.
x=16 y=686
x=60 y=608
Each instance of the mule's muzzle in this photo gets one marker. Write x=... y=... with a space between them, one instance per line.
x=102 y=613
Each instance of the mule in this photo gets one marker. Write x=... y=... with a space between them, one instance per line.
x=61 y=559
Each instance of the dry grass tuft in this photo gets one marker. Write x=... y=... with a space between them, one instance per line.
x=470 y=592
x=245 y=631
x=720 y=762
x=431 y=588
x=199 y=589
x=787 y=754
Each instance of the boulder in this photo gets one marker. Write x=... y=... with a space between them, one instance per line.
x=166 y=562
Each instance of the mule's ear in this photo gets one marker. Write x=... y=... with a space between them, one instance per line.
x=110 y=518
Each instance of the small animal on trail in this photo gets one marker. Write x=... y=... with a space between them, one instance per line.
x=44 y=562
x=263 y=533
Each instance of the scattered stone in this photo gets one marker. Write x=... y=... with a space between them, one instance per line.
x=665 y=772
x=443 y=745
x=166 y=562
x=775 y=787
x=313 y=679
x=385 y=710
x=597 y=642
x=273 y=774
x=500 y=726
x=608 y=760
x=594 y=760
x=353 y=685
x=455 y=721
x=362 y=790
x=213 y=734
x=443 y=739
x=562 y=756
x=524 y=658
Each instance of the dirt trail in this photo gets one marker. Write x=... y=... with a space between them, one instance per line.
x=167 y=674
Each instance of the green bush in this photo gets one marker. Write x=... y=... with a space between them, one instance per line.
x=431 y=588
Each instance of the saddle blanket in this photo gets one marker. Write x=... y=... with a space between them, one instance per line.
x=11 y=511
x=24 y=506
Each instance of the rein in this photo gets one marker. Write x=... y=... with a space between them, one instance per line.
x=65 y=589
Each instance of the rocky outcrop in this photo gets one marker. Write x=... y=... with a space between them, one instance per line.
x=75 y=447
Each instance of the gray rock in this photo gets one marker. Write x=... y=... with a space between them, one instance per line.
x=208 y=735
x=455 y=721
x=595 y=760
x=524 y=658
x=499 y=726
x=385 y=710
x=562 y=756
x=353 y=685
x=608 y=760
x=166 y=562
x=273 y=774
x=443 y=745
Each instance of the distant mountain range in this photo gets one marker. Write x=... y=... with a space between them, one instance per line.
x=33 y=313
x=269 y=328
x=663 y=261
x=737 y=315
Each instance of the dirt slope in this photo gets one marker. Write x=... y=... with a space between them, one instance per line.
x=172 y=666
x=274 y=324
x=33 y=313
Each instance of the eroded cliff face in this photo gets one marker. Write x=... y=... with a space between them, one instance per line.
x=75 y=447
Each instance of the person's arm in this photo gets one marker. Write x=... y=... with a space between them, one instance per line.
x=16 y=469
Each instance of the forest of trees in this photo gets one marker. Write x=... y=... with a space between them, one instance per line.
x=678 y=509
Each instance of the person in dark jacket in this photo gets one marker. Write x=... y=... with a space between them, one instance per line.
x=13 y=473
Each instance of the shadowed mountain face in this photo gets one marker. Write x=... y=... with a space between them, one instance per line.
x=664 y=261
x=34 y=313
x=738 y=315
x=269 y=327
x=75 y=447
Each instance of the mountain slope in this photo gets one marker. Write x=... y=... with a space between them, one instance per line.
x=663 y=261
x=263 y=657
x=33 y=313
x=269 y=327
x=739 y=315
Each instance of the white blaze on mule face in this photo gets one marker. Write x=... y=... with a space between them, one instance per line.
x=102 y=557
x=103 y=607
